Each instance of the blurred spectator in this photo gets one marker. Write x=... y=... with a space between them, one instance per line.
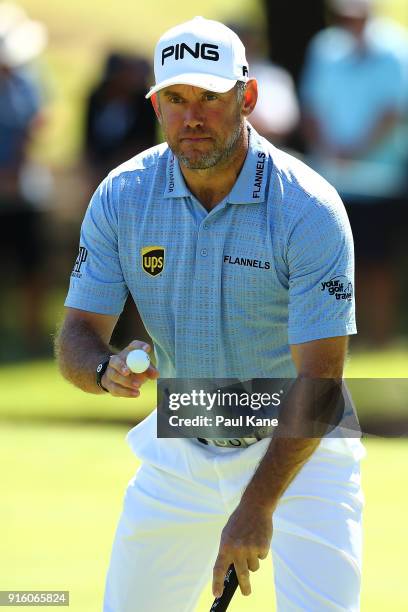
x=354 y=92
x=120 y=122
x=276 y=114
x=22 y=248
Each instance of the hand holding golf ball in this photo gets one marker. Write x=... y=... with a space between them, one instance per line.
x=129 y=370
x=138 y=361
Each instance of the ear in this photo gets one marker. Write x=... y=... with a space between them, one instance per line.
x=156 y=106
x=250 y=97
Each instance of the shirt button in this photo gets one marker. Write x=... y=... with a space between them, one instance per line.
x=204 y=252
x=206 y=226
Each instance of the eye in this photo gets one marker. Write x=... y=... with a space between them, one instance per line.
x=175 y=99
x=209 y=96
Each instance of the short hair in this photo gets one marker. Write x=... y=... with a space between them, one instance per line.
x=240 y=88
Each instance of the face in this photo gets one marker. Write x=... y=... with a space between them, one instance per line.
x=202 y=128
x=355 y=25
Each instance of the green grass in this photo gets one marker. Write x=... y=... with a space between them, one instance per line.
x=62 y=489
x=389 y=363
x=61 y=495
x=37 y=390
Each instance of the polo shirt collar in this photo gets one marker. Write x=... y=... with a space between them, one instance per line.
x=251 y=182
x=175 y=184
x=249 y=186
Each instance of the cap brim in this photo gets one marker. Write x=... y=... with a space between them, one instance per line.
x=205 y=81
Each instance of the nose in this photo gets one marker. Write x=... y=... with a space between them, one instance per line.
x=193 y=117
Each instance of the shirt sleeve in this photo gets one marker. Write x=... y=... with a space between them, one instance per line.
x=97 y=283
x=320 y=258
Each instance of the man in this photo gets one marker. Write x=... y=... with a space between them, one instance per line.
x=250 y=242
x=355 y=98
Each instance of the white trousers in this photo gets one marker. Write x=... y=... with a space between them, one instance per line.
x=181 y=497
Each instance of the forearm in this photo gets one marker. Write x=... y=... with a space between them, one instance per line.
x=381 y=130
x=79 y=349
x=311 y=409
x=282 y=461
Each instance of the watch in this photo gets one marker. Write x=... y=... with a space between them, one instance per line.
x=100 y=371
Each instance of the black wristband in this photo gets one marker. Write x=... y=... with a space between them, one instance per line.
x=100 y=371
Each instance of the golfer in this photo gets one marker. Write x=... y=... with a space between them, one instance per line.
x=240 y=261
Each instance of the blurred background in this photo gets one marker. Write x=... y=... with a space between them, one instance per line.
x=333 y=78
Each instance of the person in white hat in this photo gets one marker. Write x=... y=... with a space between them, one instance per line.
x=240 y=261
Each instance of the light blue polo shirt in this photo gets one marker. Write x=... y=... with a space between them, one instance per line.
x=221 y=293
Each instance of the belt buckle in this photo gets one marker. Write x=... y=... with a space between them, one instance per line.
x=233 y=442
x=229 y=442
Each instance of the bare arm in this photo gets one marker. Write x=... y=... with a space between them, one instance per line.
x=379 y=132
x=385 y=124
x=286 y=456
x=83 y=342
x=246 y=537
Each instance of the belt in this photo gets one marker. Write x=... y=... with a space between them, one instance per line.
x=229 y=442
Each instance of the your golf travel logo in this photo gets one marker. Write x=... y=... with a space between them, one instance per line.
x=339 y=286
x=153 y=260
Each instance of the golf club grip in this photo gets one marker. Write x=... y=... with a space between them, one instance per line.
x=230 y=586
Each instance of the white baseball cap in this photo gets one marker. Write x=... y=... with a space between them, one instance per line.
x=200 y=52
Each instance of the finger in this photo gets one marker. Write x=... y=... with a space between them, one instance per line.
x=138 y=344
x=118 y=363
x=221 y=565
x=130 y=382
x=253 y=564
x=119 y=391
x=242 y=571
x=152 y=372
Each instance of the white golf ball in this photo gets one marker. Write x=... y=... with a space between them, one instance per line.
x=137 y=361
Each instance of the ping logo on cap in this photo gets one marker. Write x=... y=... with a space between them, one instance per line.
x=204 y=51
x=153 y=260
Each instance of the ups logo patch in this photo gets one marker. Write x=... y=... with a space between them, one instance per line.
x=153 y=260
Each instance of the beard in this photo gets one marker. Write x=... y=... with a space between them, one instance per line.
x=220 y=152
